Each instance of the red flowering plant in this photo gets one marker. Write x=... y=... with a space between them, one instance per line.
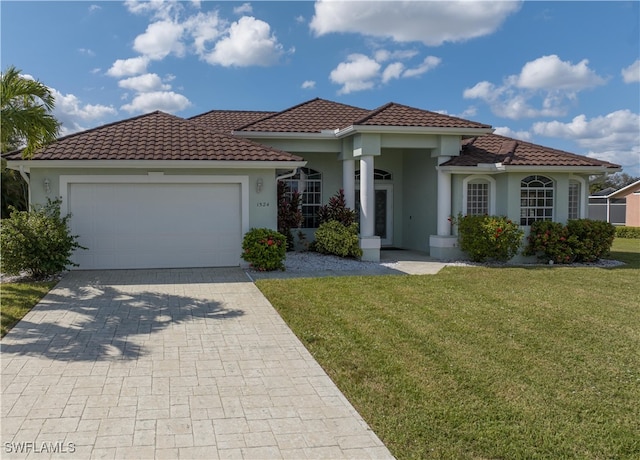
x=488 y=238
x=550 y=241
x=264 y=249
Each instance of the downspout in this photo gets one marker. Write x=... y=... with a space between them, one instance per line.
x=287 y=175
x=26 y=179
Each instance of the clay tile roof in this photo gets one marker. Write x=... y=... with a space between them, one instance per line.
x=225 y=121
x=393 y=114
x=155 y=136
x=312 y=116
x=493 y=148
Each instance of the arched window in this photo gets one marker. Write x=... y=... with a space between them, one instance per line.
x=536 y=199
x=478 y=195
x=307 y=182
x=378 y=174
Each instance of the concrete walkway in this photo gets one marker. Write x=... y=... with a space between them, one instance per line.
x=187 y=363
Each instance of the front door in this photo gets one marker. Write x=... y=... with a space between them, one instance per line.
x=382 y=214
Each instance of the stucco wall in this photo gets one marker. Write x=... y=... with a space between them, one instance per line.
x=420 y=199
x=633 y=210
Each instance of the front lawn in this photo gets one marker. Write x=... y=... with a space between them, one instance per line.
x=17 y=299
x=476 y=362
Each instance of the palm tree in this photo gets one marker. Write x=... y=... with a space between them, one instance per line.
x=25 y=117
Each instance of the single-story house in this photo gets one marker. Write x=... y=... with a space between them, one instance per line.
x=162 y=191
x=619 y=207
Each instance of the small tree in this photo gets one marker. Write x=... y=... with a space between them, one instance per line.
x=337 y=210
x=289 y=212
x=37 y=242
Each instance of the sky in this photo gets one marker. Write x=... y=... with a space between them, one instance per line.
x=560 y=74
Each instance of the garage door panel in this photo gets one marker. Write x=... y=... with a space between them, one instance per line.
x=156 y=225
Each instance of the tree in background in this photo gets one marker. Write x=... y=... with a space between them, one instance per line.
x=25 y=121
x=615 y=181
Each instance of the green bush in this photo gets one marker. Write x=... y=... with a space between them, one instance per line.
x=486 y=238
x=37 y=242
x=550 y=242
x=337 y=209
x=264 y=249
x=335 y=238
x=591 y=239
x=581 y=240
x=628 y=232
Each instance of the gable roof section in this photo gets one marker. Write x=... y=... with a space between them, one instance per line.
x=393 y=114
x=493 y=148
x=225 y=121
x=155 y=136
x=313 y=116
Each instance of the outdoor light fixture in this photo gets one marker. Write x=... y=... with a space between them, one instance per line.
x=259 y=185
x=47 y=186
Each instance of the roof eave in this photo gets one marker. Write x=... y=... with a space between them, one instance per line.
x=465 y=132
x=146 y=164
x=500 y=167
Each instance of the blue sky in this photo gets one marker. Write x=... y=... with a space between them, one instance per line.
x=561 y=74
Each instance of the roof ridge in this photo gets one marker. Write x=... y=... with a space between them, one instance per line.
x=397 y=104
x=373 y=113
x=229 y=111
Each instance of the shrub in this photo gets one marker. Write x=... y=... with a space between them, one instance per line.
x=289 y=212
x=581 y=240
x=264 y=249
x=628 y=232
x=335 y=238
x=550 y=242
x=590 y=239
x=37 y=242
x=337 y=210
x=488 y=237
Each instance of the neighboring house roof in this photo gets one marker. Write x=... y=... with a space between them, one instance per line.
x=155 y=136
x=493 y=148
x=623 y=192
x=225 y=121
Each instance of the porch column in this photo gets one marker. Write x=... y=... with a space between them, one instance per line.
x=365 y=148
x=444 y=203
x=349 y=182
x=367 y=197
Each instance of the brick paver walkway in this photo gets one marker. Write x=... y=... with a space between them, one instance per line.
x=188 y=363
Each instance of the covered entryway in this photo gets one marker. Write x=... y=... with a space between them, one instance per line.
x=156 y=225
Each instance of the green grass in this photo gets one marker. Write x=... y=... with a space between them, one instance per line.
x=476 y=362
x=17 y=299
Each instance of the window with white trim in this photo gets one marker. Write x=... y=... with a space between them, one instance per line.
x=307 y=182
x=536 y=199
x=478 y=198
x=574 y=199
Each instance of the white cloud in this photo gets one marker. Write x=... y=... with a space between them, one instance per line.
x=549 y=72
x=308 y=84
x=631 y=74
x=167 y=101
x=393 y=70
x=249 y=42
x=357 y=74
x=429 y=63
x=383 y=55
x=159 y=9
x=94 y=8
x=429 y=22
x=547 y=81
x=160 y=39
x=144 y=83
x=300 y=19
x=204 y=28
x=86 y=52
x=245 y=8
x=614 y=137
x=74 y=114
x=127 y=67
x=508 y=132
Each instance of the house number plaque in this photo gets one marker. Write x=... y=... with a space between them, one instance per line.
x=263 y=204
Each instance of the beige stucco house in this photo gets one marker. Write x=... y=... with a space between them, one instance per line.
x=161 y=191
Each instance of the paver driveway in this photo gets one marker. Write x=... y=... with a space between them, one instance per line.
x=188 y=363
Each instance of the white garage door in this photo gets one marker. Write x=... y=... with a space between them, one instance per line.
x=156 y=225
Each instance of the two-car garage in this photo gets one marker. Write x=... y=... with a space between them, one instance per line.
x=156 y=221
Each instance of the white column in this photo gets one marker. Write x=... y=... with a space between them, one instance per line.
x=444 y=203
x=349 y=182
x=367 y=197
